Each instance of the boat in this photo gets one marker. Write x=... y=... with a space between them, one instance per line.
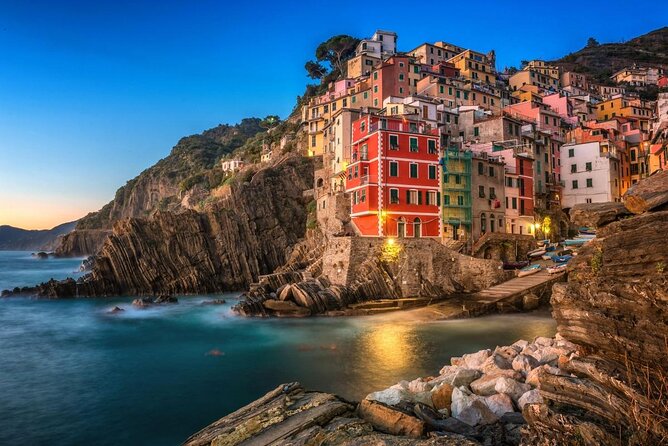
x=575 y=242
x=585 y=236
x=543 y=242
x=561 y=259
x=528 y=270
x=551 y=247
x=556 y=269
x=585 y=230
x=536 y=253
x=515 y=265
x=548 y=255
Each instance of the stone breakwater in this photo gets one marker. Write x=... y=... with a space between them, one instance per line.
x=477 y=399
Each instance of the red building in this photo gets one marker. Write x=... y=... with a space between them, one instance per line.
x=393 y=178
x=391 y=78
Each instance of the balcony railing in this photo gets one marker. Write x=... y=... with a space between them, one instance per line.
x=408 y=127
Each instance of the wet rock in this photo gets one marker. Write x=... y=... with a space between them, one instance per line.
x=214 y=302
x=143 y=302
x=391 y=396
x=648 y=195
x=286 y=308
x=457 y=377
x=525 y=363
x=116 y=310
x=389 y=420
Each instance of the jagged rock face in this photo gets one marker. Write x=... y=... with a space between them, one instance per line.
x=615 y=308
x=225 y=248
x=82 y=242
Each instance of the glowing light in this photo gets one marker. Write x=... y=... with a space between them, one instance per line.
x=390 y=241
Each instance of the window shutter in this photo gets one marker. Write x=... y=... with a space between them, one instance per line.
x=419 y=194
x=408 y=197
x=438 y=198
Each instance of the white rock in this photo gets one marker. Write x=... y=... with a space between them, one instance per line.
x=391 y=396
x=519 y=345
x=486 y=385
x=543 y=341
x=457 y=377
x=495 y=363
x=401 y=385
x=530 y=397
x=417 y=386
x=524 y=363
x=476 y=360
x=507 y=353
x=547 y=355
x=532 y=376
x=471 y=409
x=422 y=397
x=511 y=388
x=499 y=404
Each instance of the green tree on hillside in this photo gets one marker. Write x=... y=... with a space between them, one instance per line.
x=334 y=52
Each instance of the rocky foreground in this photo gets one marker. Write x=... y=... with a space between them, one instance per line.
x=477 y=399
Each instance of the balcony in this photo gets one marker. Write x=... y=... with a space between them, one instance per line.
x=407 y=127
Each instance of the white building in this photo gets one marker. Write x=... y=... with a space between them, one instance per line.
x=382 y=44
x=231 y=165
x=590 y=172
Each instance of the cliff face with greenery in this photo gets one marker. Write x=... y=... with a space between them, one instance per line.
x=182 y=180
x=600 y=61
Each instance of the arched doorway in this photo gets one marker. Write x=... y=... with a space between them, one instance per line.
x=417 y=228
x=401 y=227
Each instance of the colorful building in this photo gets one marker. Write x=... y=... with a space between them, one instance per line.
x=393 y=178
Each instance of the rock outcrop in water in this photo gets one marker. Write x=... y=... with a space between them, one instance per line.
x=248 y=233
x=614 y=307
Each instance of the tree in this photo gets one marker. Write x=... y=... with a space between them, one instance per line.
x=270 y=121
x=315 y=70
x=591 y=42
x=336 y=50
x=524 y=63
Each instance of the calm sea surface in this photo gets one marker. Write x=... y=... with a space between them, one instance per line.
x=72 y=374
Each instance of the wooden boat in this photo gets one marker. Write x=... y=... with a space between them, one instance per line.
x=585 y=230
x=575 y=242
x=536 y=253
x=551 y=247
x=543 y=242
x=561 y=259
x=515 y=265
x=528 y=270
x=585 y=236
x=556 y=269
x=548 y=255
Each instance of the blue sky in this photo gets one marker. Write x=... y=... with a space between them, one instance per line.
x=92 y=93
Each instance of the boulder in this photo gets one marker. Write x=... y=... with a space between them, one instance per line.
x=649 y=194
x=417 y=386
x=496 y=363
x=165 y=299
x=457 y=377
x=544 y=341
x=547 y=355
x=389 y=420
x=486 y=385
x=499 y=404
x=519 y=345
x=530 y=397
x=214 y=302
x=441 y=396
x=286 y=308
x=508 y=352
x=471 y=409
x=533 y=376
x=391 y=396
x=284 y=293
x=524 y=363
x=476 y=360
x=596 y=215
x=116 y=310
x=511 y=388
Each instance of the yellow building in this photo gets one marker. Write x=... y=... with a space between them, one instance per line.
x=476 y=66
x=532 y=77
x=362 y=65
x=544 y=68
x=432 y=54
x=625 y=107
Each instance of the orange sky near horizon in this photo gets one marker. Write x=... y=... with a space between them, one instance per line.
x=43 y=213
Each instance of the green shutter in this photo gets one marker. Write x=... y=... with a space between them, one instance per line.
x=408 y=197
x=438 y=198
x=419 y=194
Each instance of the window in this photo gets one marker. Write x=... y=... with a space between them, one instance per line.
x=481 y=168
x=416 y=69
x=394 y=169
x=375 y=88
x=432 y=146
x=366 y=95
x=362 y=126
x=481 y=191
x=394 y=142
x=401 y=77
x=590 y=182
x=375 y=75
x=575 y=184
x=413 y=170
x=413 y=197
x=491 y=171
x=430 y=198
x=413 y=144
x=446 y=200
x=394 y=196
x=354 y=99
x=588 y=200
x=492 y=193
x=571 y=153
x=460 y=200
x=458 y=179
x=514 y=201
x=476 y=131
x=588 y=166
x=432 y=172
x=483 y=223
x=574 y=168
x=362 y=195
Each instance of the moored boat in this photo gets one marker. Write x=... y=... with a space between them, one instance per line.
x=560 y=267
x=515 y=265
x=528 y=270
x=561 y=259
x=576 y=242
x=536 y=253
x=548 y=255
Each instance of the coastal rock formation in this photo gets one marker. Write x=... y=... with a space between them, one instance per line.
x=614 y=307
x=340 y=271
x=447 y=409
x=227 y=247
x=595 y=215
x=82 y=242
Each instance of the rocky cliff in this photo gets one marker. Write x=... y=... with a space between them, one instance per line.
x=191 y=164
x=614 y=307
x=247 y=232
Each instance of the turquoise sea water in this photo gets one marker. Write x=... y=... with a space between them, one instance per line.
x=70 y=373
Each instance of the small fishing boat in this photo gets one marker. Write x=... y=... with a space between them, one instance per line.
x=575 y=242
x=561 y=259
x=551 y=247
x=548 y=255
x=515 y=265
x=536 y=253
x=556 y=269
x=585 y=236
x=543 y=242
x=528 y=270
x=585 y=230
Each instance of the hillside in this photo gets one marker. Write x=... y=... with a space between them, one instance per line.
x=17 y=239
x=600 y=61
